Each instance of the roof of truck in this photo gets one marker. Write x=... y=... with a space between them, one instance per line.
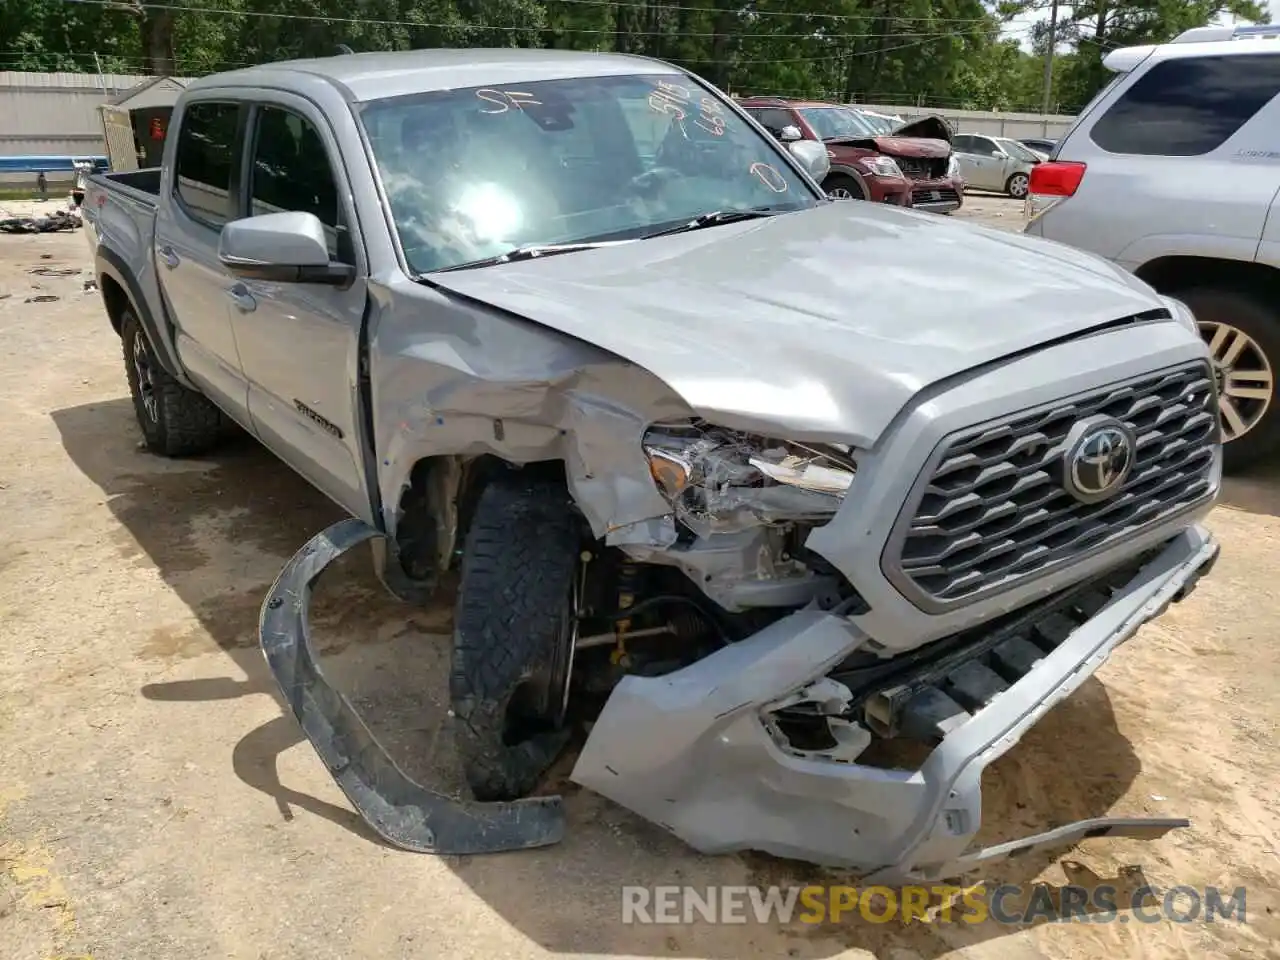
x=366 y=76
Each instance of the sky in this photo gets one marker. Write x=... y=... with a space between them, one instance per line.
x=1020 y=27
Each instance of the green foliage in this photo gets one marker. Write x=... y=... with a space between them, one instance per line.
x=933 y=52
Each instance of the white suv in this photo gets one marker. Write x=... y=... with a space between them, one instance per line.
x=1173 y=172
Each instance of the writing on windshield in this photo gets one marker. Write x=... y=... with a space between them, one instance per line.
x=472 y=173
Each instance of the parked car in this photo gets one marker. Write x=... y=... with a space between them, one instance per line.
x=774 y=478
x=994 y=163
x=1171 y=173
x=913 y=167
x=1039 y=145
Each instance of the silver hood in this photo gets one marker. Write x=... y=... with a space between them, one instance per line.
x=820 y=324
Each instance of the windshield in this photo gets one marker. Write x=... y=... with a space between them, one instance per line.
x=472 y=173
x=1016 y=150
x=828 y=122
x=879 y=124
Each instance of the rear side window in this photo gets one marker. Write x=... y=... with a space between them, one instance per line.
x=291 y=172
x=202 y=167
x=1189 y=106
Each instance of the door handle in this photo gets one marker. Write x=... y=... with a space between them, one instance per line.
x=242 y=299
x=168 y=257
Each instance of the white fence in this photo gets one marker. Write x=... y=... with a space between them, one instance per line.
x=1015 y=125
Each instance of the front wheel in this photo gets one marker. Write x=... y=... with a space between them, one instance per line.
x=1243 y=336
x=840 y=187
x=1017 y=186
x=514 y=634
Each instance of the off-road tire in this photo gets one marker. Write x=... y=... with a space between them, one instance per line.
x=1249 y=314
x=518 y=565
x=1026 y=185
x=181 y=422
x=847 y=182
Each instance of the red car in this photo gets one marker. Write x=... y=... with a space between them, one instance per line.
x=913 y=167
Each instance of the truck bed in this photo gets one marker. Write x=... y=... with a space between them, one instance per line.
x=142 y=186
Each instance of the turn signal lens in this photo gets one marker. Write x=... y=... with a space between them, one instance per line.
x=670 y=472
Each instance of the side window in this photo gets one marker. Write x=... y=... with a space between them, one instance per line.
x=983 y=147
x=962 y=142
x=1188 y=106
x=202 y=166
x=773 y=120
x=290 y=171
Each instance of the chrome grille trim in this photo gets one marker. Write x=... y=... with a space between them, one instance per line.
x=989 y=510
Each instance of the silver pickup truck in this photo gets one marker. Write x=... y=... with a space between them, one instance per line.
x=760 y=489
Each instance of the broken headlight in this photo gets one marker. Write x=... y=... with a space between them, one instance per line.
x=718 y=480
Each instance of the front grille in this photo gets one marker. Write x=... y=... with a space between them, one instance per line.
x=922 y=168
x=921 y=198
x=991 y=510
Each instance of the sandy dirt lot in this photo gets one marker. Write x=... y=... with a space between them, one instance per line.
x=155 y=803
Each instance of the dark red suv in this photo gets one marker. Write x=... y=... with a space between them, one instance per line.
x=913 y=167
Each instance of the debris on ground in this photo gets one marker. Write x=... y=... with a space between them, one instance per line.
x=41 y=298
x=53 y=271
x=59 y=220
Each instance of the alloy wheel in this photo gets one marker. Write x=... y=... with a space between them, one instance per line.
x=841 y=193
x=1018 y=186
x=146 y=385
x=1244 y=378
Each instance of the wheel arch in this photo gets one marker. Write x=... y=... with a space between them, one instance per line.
x=1169 y=274
x=844 y=170
x=120 y=292
x=434 y=511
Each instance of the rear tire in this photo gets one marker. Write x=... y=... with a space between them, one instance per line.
x=175 y=421
x=840 y=186
x=1244 y=336
x=513 y=635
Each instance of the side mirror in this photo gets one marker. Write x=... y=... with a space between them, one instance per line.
x=813 y=157
x=789 y=133
x=282 y=248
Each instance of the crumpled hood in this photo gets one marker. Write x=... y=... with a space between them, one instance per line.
x=931 y=127
x=820 y=324
x=898 y=146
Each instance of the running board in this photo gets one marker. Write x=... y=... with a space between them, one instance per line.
x=405 y=813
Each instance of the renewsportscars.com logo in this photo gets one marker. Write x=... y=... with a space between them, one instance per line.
x=1018 y=904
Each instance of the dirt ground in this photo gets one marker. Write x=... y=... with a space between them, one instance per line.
x=154 y=802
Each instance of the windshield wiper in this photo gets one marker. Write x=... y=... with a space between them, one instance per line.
x=715 y=218
x=531 y=251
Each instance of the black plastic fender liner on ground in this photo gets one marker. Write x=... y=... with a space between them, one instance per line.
x=403 y=812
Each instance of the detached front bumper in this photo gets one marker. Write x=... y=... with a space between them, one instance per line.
x=690 y=751
x=403 y=812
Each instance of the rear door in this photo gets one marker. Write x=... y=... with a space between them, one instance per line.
x=981 y=165
x=1182 y=160
x=299 y=342
x=197 y=198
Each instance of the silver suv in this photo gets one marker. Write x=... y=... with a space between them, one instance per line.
x=1173 y=172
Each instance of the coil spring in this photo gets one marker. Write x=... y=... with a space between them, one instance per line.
x=688 y=625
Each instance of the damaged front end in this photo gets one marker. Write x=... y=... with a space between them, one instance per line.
x=758 y=746
x=744 y=506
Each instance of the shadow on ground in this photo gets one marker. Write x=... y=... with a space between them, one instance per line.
x=218 y=530
x=1255 y=490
